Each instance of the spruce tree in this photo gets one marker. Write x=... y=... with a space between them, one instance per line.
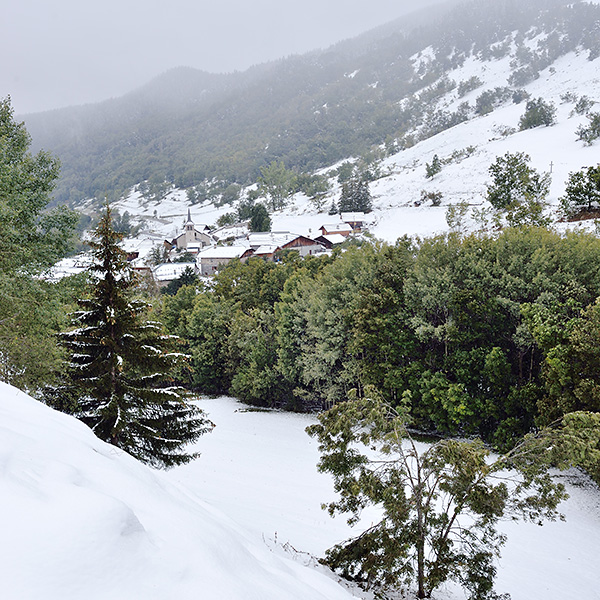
x=355 y=197
x=120 y=365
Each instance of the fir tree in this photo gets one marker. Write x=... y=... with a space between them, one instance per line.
x=120 y=364
x=355 y=197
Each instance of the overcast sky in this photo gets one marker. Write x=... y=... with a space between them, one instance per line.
x=59 y=53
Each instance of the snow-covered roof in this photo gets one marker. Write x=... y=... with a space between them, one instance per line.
x=335 y=238
x=353 y=216
x=271 y=238
x=336 y=227
x=170 y=271
x=222 y=252
x=69 y=266
x=266 y=249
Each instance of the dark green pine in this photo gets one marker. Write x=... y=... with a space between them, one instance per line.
x=120 y=365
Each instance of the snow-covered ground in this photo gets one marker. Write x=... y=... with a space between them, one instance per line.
x=81 y=519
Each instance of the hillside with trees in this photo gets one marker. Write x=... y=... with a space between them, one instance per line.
x=187 y=128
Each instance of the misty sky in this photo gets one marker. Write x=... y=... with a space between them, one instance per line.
x=58 y=53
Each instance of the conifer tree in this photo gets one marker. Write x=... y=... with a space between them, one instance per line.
x=355 y=197
x=120 y=364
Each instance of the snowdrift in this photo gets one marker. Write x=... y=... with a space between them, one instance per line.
x=82 y=519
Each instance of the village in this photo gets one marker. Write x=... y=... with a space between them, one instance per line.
x=205 y=252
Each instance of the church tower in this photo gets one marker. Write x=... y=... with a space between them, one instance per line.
x=190 y=231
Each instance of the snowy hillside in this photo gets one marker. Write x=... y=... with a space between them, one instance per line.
x=468 y=150
x=82 y=519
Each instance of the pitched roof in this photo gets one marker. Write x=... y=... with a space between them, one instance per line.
x=336 y=227
x=222 y=252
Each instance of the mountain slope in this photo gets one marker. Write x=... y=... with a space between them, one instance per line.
x=467 y=149
x=309 y=111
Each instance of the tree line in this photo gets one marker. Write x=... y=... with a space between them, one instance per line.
x=477 y=333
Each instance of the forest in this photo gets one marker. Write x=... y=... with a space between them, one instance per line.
x=479 y=335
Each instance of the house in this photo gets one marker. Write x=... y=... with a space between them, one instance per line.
x=330 y=241
x=166 y=272
x=211 y=259
x=304 y=245
x=356 y=220
x=269 y=238
x=332 y=228
x=266 y=251
x=192 y=237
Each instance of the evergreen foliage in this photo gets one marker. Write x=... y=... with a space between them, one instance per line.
x=121 y=365
x=439 y=505
x=538 y=113
x=259 y=218
x=434 y=167
x=447 y=323
x=591 y=132
x=355 y=196
x=518 y=191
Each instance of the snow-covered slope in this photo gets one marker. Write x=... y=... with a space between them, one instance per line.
x=474 y=144
x=259 y=467
x=81 y=519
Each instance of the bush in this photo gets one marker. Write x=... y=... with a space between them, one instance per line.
x=538 y=113
x=590 y=132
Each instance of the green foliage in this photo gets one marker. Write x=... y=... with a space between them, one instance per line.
x=537 y=113
x=32 y=239
x=158 y=254
x=582 y=192
x=259 y=218
x=188 y=277
x=315 y=187
x=445 y=324
x=121 y=364
x=517 y=190
x=440 y=505
x=572 y=366
x=591 y=132
x=355 y=196
x=490 y=99
x=433 y=168
x=434 y=197
x=226 y=219
x=468 y=85
x=277 y=183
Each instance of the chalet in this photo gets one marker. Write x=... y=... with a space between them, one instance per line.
x=192 y=238
x=266 y=251
x=304 y=245
x=211 y=259
x=356 y=220
x=330 y=241
x=332 y=228
x=269 y=238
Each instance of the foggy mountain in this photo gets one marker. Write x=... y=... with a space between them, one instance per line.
x=381 y=90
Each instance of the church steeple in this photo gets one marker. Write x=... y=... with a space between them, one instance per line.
x=190 y=230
